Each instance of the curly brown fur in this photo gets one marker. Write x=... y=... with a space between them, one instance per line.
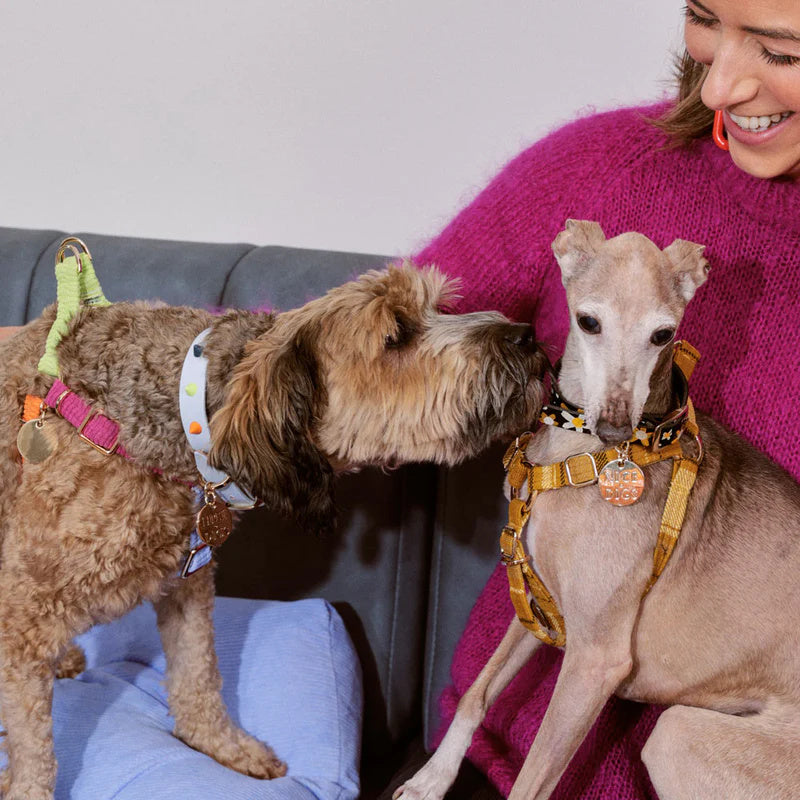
x=370 y=374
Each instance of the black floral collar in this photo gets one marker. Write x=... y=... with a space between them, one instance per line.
x=651 y=430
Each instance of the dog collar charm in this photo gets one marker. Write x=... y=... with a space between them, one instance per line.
x=621 y=481
x=214 y=520
x=35 y=440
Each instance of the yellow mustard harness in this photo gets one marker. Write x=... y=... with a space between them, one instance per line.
x=536 y=608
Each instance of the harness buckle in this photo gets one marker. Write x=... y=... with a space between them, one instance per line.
x=508 y=561
x=106 y=451
x=517 y=446
x=508 y=558
x=586 y=482
x=701 y=450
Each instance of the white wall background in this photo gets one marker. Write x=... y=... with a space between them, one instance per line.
x=343 y=124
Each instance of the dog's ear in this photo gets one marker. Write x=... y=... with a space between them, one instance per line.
x=689 y=266
x=262 y=434
x=576 y=245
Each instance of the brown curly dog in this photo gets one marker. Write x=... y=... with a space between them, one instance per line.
x=370 y=374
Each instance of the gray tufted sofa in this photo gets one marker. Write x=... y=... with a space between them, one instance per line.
x=413 y=548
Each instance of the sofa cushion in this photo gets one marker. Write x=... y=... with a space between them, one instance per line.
x=290 y=677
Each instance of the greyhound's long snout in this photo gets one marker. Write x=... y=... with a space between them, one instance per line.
x=613 y=434
x=614 y=424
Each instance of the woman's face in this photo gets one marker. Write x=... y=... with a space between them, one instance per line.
x=752 y=48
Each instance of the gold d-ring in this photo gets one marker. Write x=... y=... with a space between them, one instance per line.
x=69 y=244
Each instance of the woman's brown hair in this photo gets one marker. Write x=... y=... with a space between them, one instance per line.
x=688 y=119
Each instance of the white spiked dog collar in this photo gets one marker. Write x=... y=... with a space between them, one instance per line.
x=213 y=520
x=196 y=426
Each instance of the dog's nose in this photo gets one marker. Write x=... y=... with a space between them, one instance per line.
x=613 y=434
x=521 y=335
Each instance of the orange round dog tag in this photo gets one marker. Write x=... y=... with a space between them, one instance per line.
x=621 y=482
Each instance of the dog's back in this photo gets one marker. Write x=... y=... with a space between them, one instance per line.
x=718 y=630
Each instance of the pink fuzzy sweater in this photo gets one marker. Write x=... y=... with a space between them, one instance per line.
x=614 y=168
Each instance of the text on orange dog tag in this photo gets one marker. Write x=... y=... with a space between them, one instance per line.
x=621 y=482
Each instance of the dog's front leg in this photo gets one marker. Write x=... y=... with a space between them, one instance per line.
x=436 y=777
x=589 y=676
x=194 y=683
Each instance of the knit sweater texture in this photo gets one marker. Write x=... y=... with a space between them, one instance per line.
x=616 y=168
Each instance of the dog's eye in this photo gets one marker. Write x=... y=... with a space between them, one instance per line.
x=589 y=324
x=662 y=336
x=403 y=332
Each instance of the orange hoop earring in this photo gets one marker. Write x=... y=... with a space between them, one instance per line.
x=718 y=132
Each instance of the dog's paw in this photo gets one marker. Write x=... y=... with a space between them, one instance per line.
x=234 y=748
x=71 y=663
x=409 y=792
x=429 y=783
x=256 y=759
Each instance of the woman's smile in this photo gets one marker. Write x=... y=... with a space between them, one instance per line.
x=752 y=51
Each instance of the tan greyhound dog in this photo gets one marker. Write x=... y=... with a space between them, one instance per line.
x=717 y=637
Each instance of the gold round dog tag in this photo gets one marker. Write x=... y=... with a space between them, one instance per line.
x=214 y=523
x=621 y=482
x=36 y=441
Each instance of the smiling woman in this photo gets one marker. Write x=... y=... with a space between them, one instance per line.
x=752 y=54
x=656 y=170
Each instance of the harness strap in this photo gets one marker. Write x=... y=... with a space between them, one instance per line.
x=684 y=474
x=102 y=433
x=685 y=357
x=76 y=285
x=578 y=470
x=539 y=613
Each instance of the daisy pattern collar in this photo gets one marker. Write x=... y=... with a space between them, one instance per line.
x=651 y=431
x=560 y=413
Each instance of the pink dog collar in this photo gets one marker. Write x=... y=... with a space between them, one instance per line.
x=102 y=433
x=93 y=427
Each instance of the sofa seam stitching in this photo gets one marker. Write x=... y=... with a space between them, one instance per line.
x=397 y=570
x=436 y=595
x=338 y=697
x=233 y=269
x=149 y=768
x=35 y=269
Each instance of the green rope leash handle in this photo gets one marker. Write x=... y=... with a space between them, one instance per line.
x=76 y=285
